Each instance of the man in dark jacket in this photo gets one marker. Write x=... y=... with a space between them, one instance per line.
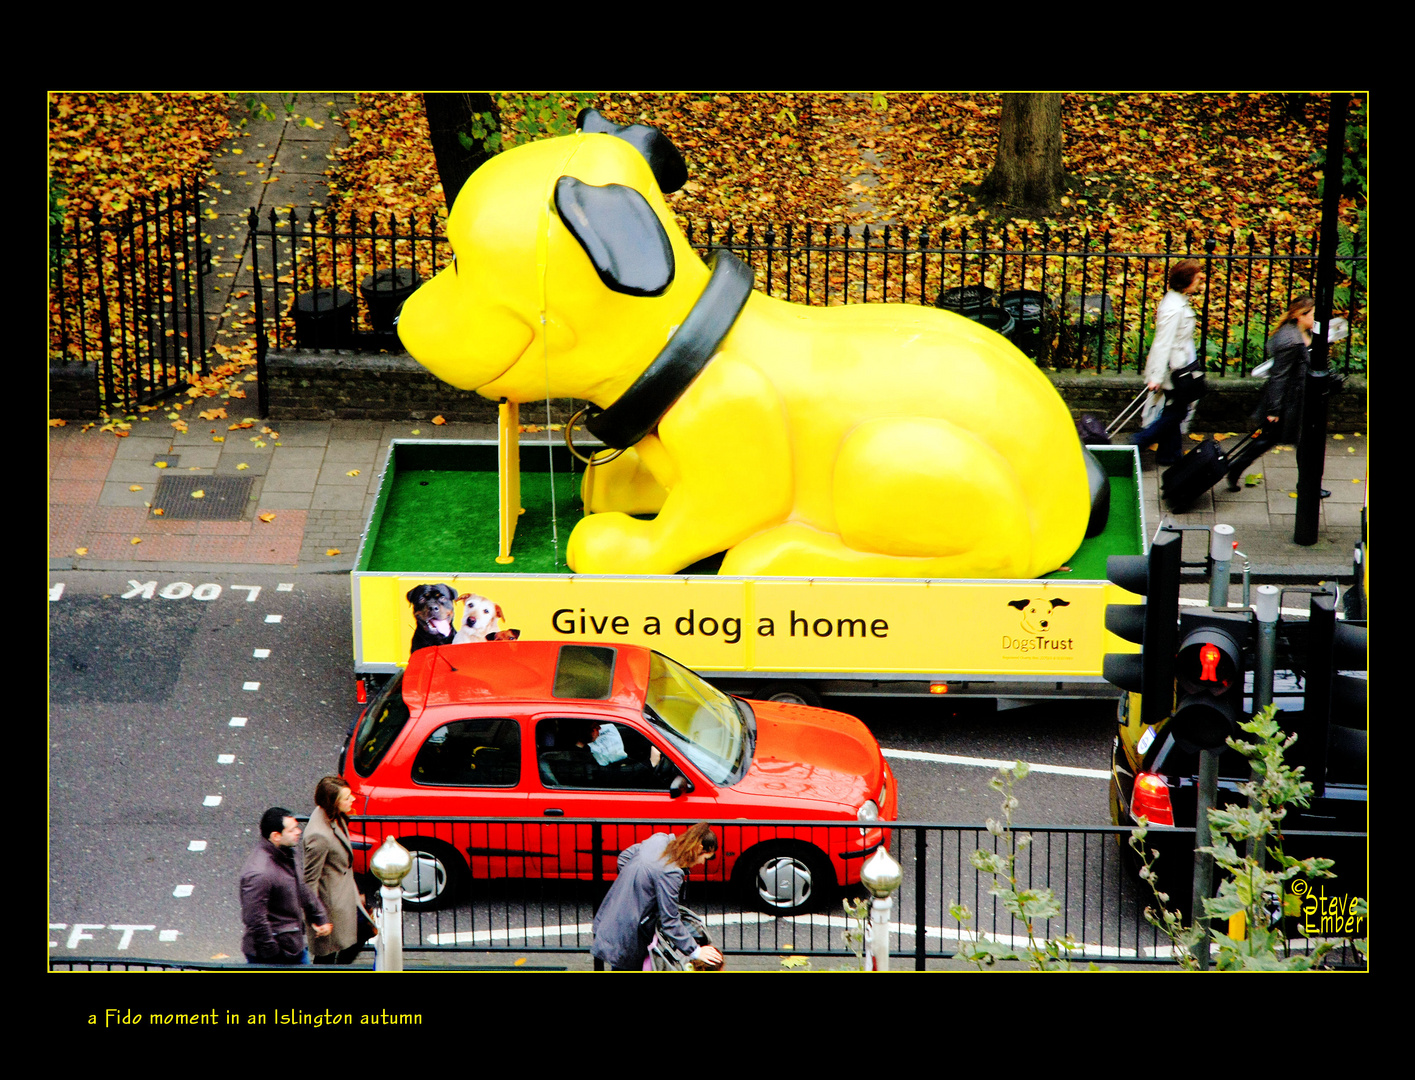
x=274 y=897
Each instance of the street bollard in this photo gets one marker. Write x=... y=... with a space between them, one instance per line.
x=1221 y=545
x=390 y=864
x=1268 y=609
x=882 y=875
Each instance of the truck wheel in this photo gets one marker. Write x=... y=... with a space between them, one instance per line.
x=794 y=694
x=785 y=877
x=436 y=876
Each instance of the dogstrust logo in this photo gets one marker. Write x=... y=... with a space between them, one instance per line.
x=1039 y=626
x=1326 y=916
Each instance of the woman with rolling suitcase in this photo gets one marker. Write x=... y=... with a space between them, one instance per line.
x=1279 y=412
x=1172 y=356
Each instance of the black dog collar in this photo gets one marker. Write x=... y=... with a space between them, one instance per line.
x=641 y=407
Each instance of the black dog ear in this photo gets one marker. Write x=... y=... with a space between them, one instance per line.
x=415 y=593
x=1056 y=601
x=1020 y=605
x=620 y=233
x=663 y=157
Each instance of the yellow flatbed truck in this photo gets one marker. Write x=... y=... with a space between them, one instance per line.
x=448 y=514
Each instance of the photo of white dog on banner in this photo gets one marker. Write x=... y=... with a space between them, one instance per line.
x=482 y=620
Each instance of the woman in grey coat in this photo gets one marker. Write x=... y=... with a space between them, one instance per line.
x=645 y=897
x=329 y=858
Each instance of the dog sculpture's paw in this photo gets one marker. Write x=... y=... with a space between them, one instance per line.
x=615 y=543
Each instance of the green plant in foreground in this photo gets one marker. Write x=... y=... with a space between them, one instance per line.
x=1249 y=888
x=1028 y=905
x=858 y=912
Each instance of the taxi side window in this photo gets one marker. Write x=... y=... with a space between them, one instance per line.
x=471 y=753
x=574 y=753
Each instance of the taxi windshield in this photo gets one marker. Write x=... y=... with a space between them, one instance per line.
x=704 y=723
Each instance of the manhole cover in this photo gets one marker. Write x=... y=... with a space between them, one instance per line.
x=223 y=498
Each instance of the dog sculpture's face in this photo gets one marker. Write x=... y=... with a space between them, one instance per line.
x=567 y=260
x=1037 y=613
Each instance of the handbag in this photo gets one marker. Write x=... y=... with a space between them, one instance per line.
x=1190 y=382
x=366 y=930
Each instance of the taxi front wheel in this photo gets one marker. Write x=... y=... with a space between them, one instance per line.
x=785 y=877
x=436 y=876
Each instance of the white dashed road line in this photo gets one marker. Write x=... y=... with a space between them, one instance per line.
x=992 y=763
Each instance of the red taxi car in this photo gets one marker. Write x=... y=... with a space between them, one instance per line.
x=541 y=730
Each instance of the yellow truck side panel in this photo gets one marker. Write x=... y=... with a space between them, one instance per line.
x=1041 y=628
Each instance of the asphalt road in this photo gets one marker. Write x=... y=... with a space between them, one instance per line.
x=180 y=710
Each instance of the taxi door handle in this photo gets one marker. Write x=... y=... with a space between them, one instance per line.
x=554 y=811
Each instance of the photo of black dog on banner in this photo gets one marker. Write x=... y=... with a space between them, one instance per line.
x=434 y=607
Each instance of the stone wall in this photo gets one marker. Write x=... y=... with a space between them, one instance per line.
x=313 y=385
x=381 y=386
x=73 y=391
x=1226 y=407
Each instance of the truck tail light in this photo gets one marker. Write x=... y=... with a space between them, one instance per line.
x=1151 y=800
x=360 y=692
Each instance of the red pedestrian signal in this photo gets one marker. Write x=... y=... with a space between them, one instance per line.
x=1208 y=674
x=1209 y=657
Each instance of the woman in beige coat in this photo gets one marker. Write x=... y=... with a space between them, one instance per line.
x=329 y=856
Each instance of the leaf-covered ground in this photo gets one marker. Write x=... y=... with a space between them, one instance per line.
x=105 y=149
x=1140 y=163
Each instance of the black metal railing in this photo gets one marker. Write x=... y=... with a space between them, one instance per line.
x=508 y=897
x=1071 y=300
x=294 y=255
x=126 y=296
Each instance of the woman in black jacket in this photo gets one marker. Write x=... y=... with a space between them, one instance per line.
x=1279 y=412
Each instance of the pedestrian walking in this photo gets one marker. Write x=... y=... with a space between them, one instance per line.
x=1279 y=411
x=645 y=899
x=329 y=871
x=1171 y=350
x=274 y=898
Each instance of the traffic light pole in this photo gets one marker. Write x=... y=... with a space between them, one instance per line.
x=1204 y=862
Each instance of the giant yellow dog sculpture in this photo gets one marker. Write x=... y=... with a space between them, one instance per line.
x=875 y=440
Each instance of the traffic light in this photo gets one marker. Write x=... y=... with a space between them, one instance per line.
x=1151 y=625
x=1334 y=716
x=1208 y=677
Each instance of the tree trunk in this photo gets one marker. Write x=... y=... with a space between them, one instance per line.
x=450 y=117
x=1027 y=172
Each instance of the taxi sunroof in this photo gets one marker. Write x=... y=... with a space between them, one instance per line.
x=584 y=671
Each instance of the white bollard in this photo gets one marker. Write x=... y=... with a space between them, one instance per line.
x=882 y=876
x=390 y=864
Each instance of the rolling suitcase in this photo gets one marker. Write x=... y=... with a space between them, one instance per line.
x=1094 y=433
x=1197 y=471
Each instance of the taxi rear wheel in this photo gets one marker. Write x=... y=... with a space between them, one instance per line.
x=786 y=877
x=436 y=876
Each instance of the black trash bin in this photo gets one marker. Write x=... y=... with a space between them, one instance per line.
x=384 y=291
x=965 y=299
x=324 y=319
x=994 y=318
x=1028 y=307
